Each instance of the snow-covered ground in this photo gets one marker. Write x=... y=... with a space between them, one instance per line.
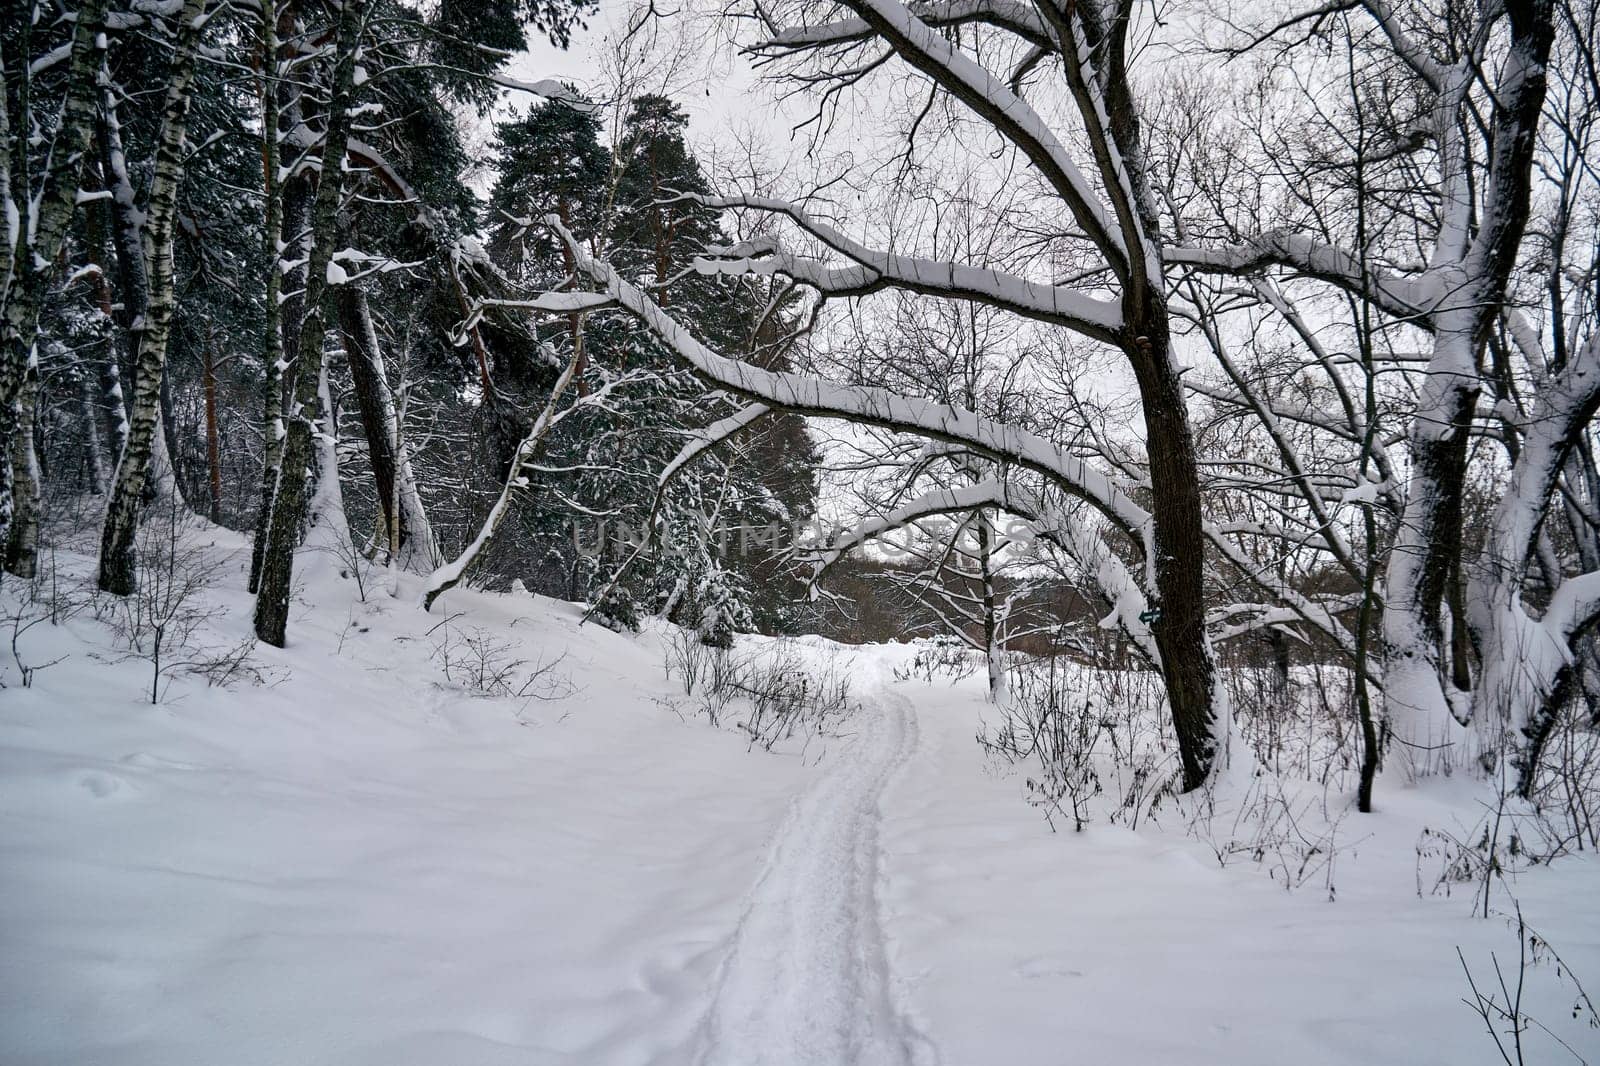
x=362 y=863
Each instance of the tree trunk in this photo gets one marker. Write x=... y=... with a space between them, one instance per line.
x=213 y=442
x=993 y=653
x=133 y=278
x=163 y=477
x=272 y=354
x=42 y=226
x=127 y=248
x=1420 y=713
x=1420 y=702
x=117 y=563
x=1278 y=644
x=89 y=413
x=22 y=545
x=1200 y=715
x=1460 y=632
x=326 y=527
x=1527 y=662
x=289 y=501
x=1187 y=663
x=405 y=521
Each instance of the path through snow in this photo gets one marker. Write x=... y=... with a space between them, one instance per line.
x=360 y=866
x=806 y=978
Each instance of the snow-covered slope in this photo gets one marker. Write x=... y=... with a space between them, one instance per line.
x=362 y=863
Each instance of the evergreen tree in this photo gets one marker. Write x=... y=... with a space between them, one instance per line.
x=636 y=202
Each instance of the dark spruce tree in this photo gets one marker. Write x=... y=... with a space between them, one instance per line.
x=598 y=523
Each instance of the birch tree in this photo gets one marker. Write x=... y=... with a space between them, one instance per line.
x=35 y=226
x=117 y=573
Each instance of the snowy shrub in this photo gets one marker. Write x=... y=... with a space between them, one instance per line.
x=1290 y=833
x=1077 y=733
x=779 y=692
x=940 y=657
x=1559 y=816
x=1497 y=997
x=1045 y=728
x=1091 y=741
x=480 y=663
x=1301 y=722
x=166 y=619
x=1514 y=834
x=1567 y=779
x=352 y=561
x=785 y=696
x=25 y=604
x=687 y=659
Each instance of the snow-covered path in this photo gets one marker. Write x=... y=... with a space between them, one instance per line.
x=806 y=978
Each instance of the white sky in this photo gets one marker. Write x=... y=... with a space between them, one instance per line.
x=713 y=83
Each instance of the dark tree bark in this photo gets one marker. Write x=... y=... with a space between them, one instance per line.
x=1187 y=664
x=276 y=97
x=372 y=400
x=213 y=442
x=289 y=501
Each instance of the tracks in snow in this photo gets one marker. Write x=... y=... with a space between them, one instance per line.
x=806 y=979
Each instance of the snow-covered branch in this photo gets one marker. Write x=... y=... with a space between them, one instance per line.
x=1017 y=18
x=872 y=406
x=954 y=70
x=875 y=270
x=1408 y=298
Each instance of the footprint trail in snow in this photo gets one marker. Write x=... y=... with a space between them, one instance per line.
x=806 y=979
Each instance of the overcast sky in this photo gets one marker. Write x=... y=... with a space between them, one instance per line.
x=714 y=86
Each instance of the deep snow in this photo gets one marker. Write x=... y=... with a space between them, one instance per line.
x=363 y=864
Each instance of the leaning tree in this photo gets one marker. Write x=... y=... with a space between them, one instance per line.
x=1066 y=113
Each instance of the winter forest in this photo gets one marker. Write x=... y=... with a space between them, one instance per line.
x=800 y=531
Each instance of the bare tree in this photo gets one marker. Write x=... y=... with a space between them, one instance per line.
x=1489 y=61
x=1117 y=297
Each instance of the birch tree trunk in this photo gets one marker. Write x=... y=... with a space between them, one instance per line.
x=40 y=226
x=93 y=430
x=117 y=563
x=22 y=545
x=113 y=412
x=289 y=500
x=127 y=244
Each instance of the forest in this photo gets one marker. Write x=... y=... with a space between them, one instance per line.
x=1213 y=384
